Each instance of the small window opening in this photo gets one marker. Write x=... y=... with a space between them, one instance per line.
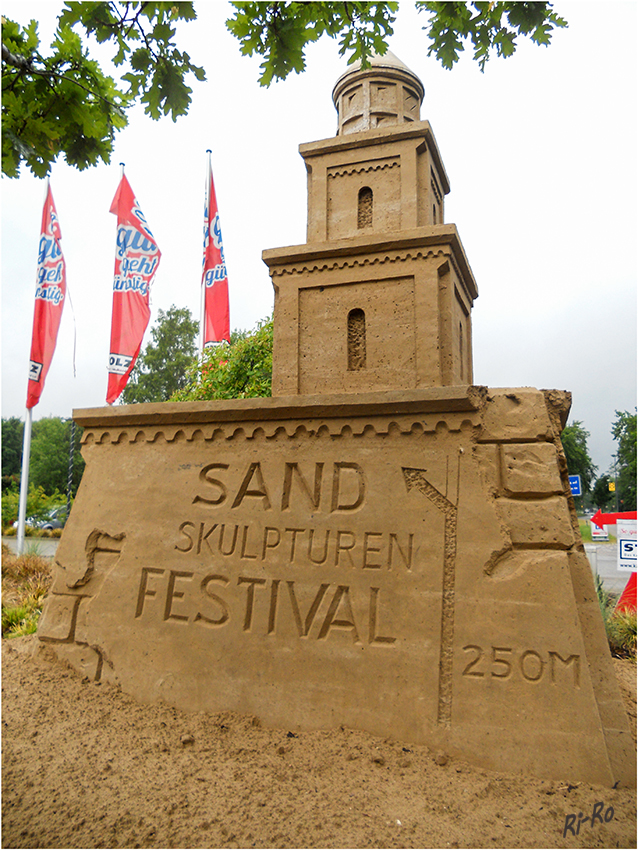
x=461 y=349
x=356 y=340
x=364 y=216
x=434 y=213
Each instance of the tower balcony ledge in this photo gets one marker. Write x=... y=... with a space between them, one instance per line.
x=296 y=258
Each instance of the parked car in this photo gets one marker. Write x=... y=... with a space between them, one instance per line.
x=55 y=519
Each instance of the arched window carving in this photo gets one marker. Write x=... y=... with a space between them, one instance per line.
x=364 y=211
x=356 y=340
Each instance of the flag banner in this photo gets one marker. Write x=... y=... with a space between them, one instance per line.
x=49 y=300
x=214 y=278
x=136 y=261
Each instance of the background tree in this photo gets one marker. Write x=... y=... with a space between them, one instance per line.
x=601 y=497
x=574 y=439
x=12 y=437
x=64 y=103
x=162 y=369
x=239 y=369
x=49 y=463
x=624 y=430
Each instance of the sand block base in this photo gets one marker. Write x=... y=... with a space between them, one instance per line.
x=404 y=563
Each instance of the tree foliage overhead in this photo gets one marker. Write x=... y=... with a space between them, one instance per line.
x=162 y=369
x=624 y=430
x=60 y=103
x=280 y=31
x=239 y=369
x=63 y=103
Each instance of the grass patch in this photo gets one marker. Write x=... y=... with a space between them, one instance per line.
x=25 y=583
x=621 y=633
x=585 y=533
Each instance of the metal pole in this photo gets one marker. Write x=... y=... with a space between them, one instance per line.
x=207 y=236
x=69 y=484
x=24 y=481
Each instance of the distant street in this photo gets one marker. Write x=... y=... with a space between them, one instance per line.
x=602 y=557
x=45 y=546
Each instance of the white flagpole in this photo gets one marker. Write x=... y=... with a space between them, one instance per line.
x=202 y=308
x=24 y=480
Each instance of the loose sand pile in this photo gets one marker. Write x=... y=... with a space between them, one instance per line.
x=86 y=766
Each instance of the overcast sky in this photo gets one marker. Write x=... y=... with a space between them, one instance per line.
x=541 y=155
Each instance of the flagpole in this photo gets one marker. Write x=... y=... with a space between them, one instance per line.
x=121 y=176
x=24 y=480
x=26 y=456
x=202 y=301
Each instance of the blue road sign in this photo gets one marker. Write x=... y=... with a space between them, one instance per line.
x=574 y=483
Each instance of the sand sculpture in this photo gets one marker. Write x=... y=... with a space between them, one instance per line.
x=381 y=544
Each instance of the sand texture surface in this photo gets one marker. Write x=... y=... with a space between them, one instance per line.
x=86 y=766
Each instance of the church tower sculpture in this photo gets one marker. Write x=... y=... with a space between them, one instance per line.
x=380 y=296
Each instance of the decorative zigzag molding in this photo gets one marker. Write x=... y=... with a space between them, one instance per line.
x=351 y=262
x=343 y=171
x=335 y=429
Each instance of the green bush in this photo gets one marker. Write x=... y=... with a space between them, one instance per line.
x=239 y=369
x=620 y=626
x=25 y=582
x=39 y=505
x=621 y=633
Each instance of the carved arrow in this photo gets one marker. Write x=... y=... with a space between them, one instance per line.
x=415 y=479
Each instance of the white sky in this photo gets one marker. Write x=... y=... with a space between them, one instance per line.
x=541 y=155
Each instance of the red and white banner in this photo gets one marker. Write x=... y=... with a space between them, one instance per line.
x=137 y=258
x=216 y=321
x=49 y=300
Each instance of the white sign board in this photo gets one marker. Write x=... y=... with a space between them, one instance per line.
x=598 y=533
x=627 y=544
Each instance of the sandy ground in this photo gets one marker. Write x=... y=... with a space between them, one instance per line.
x=84 y=765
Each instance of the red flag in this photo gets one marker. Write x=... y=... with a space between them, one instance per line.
x=136 y=260
x=214 y=277
x=627 y=601
x=49 y=300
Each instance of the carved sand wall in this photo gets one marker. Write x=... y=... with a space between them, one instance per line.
x=404 y=563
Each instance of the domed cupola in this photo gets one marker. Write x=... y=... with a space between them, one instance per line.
x=385 y=93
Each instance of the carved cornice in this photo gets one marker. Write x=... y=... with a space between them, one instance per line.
x=338 y=415
x=342 y=171
x=353 y=262
x=331 y=429
x=394 y=134
x=425 y=241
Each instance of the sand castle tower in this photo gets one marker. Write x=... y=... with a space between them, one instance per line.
x=380 y=297
x=382 y=544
